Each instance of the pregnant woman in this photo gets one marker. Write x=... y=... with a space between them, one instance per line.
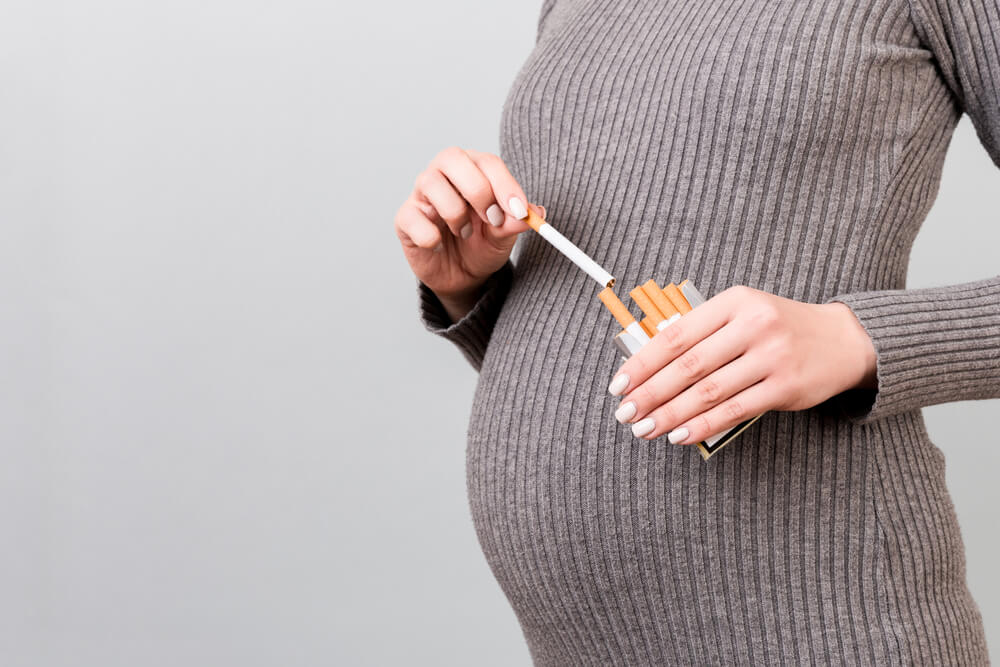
x=781 y=154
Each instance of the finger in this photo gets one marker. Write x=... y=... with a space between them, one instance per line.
x=752 y=401
x=441 y=194
x=414 y=227
x=506 y=191
x=709 y=354
x=702 y=397
x=671 y=342
x=470 y=182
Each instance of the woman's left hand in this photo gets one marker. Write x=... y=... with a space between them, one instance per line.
x=741 y=353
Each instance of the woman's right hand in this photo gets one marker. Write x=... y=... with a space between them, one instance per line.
x=460 y=223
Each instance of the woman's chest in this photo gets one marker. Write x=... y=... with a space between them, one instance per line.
x=791 y=74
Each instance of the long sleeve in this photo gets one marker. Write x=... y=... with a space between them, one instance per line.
x=471 y=334
x=940 y=344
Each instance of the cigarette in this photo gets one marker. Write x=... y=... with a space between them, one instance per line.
x=566 y=247
x=691 y=293
x=676 y=298
x=647 y=325
x=627 y=344
x=647 y=306
x=622 y=314
x=657 y=296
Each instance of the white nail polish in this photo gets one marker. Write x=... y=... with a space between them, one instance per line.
x=625 y=412
x=677 y=435
x=466 y=231
x=495 y=215
x=618 y=385
x=517 y=208
x=641 y=428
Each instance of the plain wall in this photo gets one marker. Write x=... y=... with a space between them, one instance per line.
x=225 y=437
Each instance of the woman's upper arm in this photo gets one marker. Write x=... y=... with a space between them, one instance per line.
x=964 y=36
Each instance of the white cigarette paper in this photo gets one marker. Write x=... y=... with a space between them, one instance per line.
x=574 y=254
x=666 y=323
x=637 y=333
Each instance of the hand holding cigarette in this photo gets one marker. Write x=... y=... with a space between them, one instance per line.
x=460 y=223
x=740 y=354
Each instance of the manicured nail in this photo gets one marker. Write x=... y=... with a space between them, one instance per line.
x=618 y=385
x=641 y=428
x=466 y=231
x=517 y=208
x=677 y=435
x=495 y=215
x=625 y=412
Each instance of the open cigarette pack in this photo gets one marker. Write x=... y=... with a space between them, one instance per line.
x=662 y=307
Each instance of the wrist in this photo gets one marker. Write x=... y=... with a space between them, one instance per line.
x=861 y=345
x=458 y=303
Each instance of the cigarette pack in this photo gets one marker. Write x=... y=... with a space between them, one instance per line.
x=661 y=309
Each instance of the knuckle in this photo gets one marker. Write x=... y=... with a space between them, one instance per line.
x=672 y=337
x=644 y=397
x=690 y=366
x=703 y=426
x=481 y=191
x=422 y=180
x=733 y=409
x=449 y=154
x=710 y=391
x=765 y=316
x=491 y=158
x=666 y=415
x=639 y=367
x=739 y=292
x=790 y=392
x=453 y=214
x=778 y=349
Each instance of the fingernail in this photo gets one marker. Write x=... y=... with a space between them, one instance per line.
x=618 y=385
x=625 y=412
x=677 y=435
x=466 y=231
x=641 y=428
x=495 y=215
x=517 y=208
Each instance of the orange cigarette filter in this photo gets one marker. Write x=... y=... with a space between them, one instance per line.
x=617 y=308
x=660 y=299
x=648 y=326
x=674 y=294
x=646 y=304
x=534 y=220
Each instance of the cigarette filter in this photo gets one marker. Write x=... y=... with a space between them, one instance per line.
x=647 y=306
x=656 y=295
x=647 y=325
x=676 y=298
x=566 y=247
x=622 y=314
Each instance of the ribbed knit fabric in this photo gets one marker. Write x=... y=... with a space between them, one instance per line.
x=796 y=147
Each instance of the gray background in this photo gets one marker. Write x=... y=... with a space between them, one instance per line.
x=225 y=437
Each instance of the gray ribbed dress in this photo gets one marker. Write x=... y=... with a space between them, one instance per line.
x=793 y=146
